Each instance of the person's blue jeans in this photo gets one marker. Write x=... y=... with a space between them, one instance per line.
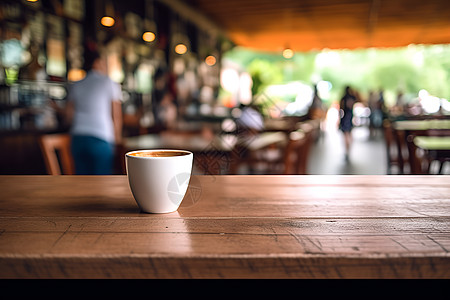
x=92 y=156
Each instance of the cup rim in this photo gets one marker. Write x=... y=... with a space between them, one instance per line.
x=187 y=153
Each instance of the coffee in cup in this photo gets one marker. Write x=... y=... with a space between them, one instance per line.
x=158 y=153
x=159 y=178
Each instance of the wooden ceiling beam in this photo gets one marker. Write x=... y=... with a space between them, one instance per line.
x=363 y=23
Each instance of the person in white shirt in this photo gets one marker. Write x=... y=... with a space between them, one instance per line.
x=95 y=110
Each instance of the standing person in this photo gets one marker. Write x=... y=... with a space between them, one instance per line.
x=346 y=124
x=95 y=111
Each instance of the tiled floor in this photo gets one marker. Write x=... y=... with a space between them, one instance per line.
x=367 y=155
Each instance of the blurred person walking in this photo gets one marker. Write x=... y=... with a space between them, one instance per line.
x=95 y=111
x=346 y=122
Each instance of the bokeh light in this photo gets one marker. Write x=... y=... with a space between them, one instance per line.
x=288 y=53
x=107 y=21
x=148 y=36
x=180 y=49
x=210 y=60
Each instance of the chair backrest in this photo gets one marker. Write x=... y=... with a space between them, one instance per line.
x=400 y=137
x=310 y=130
x=57 y=156
x=389 y=139
x=415 y=160
x=391 y=147
x=293 y=152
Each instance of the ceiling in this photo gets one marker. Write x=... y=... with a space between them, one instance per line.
x=304 y=25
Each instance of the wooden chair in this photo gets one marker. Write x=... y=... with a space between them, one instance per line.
x=417 y=160
x=293 y=157
x=393 y=159
x=402 y=151
x=294 y=154
x=56 y=152
x=423 y=161
x=311 y=130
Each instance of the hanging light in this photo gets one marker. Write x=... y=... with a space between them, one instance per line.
x=210 y=60
x=76 y=74
x=288 y=53
x=108 y=19
x=149 y=24
x=179 y=40
x=149 y=36
x=180 y=49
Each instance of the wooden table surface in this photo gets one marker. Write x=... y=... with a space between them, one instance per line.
x=194 y=143
x=438 y=124
x=199 y=143
x=433 y=142
x=228 y=227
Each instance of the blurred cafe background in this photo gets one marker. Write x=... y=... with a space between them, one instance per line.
x=251 y=87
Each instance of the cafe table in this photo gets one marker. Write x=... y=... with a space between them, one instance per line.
x=198 y=143
x=433 y=143
x=436 y=148
x=423 y=125
x=215 y=154
x=302 y=226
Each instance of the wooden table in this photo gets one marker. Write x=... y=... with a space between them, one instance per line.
x=436 y=148
x=213 y=155
x=228 y=227
x=423 y=125
x=405 y=131
x=198 y=143
x=433 y=143
x=191 y=142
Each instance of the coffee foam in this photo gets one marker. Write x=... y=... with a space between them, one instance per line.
x=158 y=153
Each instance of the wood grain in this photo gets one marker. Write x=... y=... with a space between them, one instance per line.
x=307 y=25
x=228 y=227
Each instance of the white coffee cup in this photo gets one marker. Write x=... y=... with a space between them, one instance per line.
x=159 y=178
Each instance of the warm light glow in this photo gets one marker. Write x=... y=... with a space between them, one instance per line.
x=148 y=36
x=180 y=49
x=288 y=53
x=32 y=0
x=107 y=21
x=210 y=60
x=76 y=74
